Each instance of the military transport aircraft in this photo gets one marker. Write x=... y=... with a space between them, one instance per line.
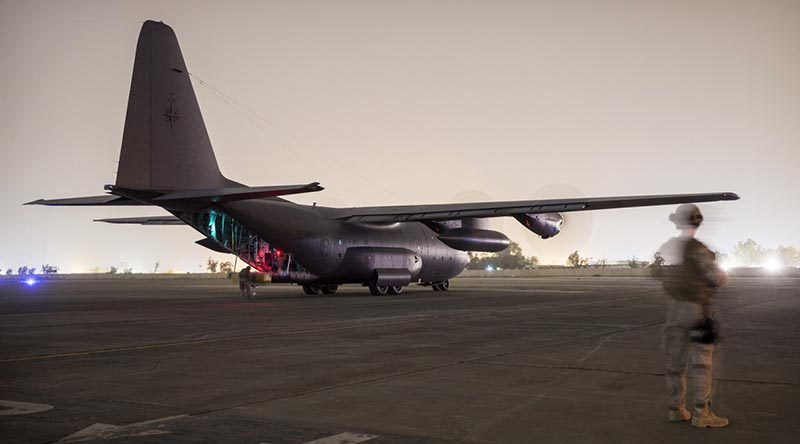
x=167 y=161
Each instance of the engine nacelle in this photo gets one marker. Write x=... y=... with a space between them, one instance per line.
x=545 y=225
x=474 y=239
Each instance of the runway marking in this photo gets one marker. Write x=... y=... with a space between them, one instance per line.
x=291 y=332
x=343 y=438
x=396 y=375
x=266 y=335
x=597 y=347
x=13 y=408
x=590 y=324
x=102 y=431
x=489 y=314
x=206 y=341
x=480 y=360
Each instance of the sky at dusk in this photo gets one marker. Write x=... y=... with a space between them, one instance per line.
x=388 y=102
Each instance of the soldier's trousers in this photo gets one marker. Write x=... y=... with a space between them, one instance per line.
x=245 y=288
x=680 y=352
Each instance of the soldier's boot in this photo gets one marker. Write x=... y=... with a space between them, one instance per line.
x=678 y=414
x=704 y=417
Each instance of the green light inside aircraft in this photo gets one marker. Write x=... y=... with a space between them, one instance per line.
x=212 y=224
x=237 y=239
x=225 y=238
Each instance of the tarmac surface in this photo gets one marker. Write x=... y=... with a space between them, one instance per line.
x=490 y=361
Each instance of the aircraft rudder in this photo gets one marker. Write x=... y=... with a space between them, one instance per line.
x=165 y=144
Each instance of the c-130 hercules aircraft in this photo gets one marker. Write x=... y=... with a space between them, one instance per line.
x=167 y=161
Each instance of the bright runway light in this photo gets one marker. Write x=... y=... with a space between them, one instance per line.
x=30 y=282
x=489 y=268
x=773 y=265
x=726 y=266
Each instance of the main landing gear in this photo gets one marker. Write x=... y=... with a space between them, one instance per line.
x=374 y=288
x=380 y=290
x=317 y=289
x=441 y=286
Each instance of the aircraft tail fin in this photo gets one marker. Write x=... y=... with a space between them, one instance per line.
x=165 y=145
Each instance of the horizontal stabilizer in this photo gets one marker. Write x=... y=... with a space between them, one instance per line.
x=212 y=245
x=147 y=220
x=230 y=194
x=104 y=200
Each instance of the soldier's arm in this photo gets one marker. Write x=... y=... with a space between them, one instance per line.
x=707 y=266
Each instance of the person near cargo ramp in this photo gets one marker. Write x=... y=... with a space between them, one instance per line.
x=245 y=283
x=691 y=276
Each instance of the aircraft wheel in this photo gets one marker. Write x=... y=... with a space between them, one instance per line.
x=395 y=289
x=311 y=289
x=441 y=286
x=377 y=290
x=329 y=289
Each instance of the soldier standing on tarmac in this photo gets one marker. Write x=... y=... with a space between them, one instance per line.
x=245 y=286
x=691 y=277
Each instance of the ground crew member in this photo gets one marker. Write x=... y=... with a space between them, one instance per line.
x=245 y=285
x=691 y=277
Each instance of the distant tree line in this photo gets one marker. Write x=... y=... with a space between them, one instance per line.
x=509 y=259
x=746 y=253
x=214 y=265
x=749 y=253
x=26 y=270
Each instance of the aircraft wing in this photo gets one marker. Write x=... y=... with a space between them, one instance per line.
x=411 y=213
x=147 y=220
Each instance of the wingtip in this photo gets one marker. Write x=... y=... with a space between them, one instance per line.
x=34 y=202
x=730 y=196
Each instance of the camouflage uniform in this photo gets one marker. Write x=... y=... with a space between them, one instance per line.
x=690 y=276
x=245 y=286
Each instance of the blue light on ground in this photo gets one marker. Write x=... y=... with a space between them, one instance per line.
x=30 y=282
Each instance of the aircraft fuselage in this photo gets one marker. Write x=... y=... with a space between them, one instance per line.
x=348 y=252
